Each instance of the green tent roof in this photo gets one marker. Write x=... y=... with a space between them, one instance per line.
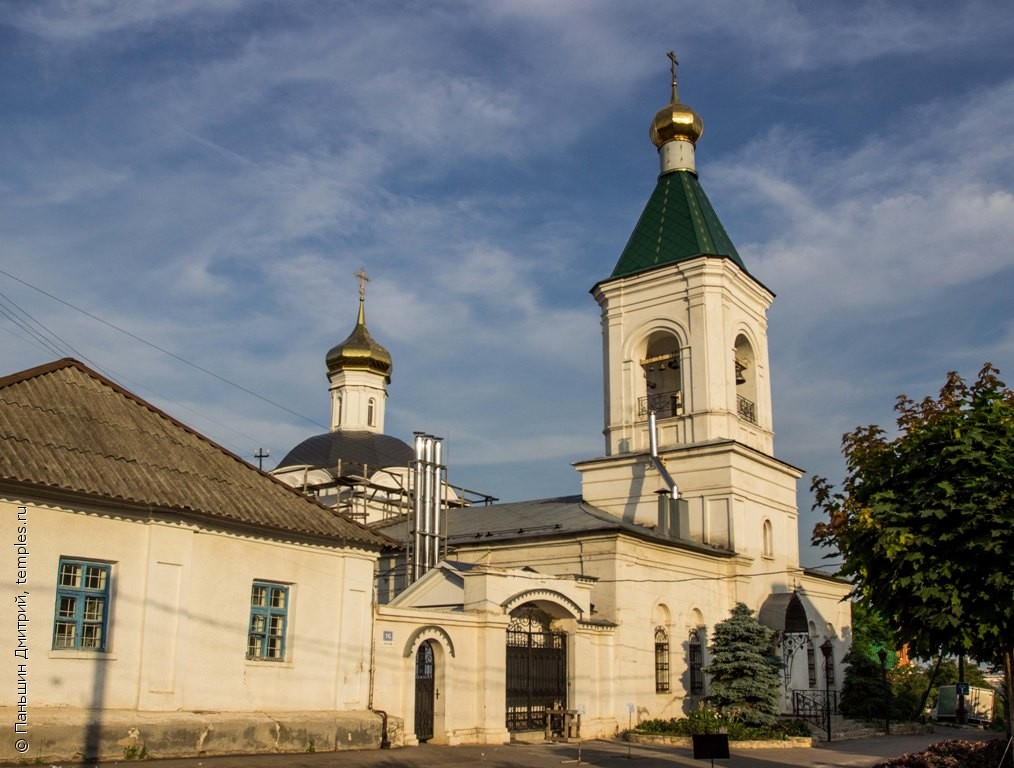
x=677 y=224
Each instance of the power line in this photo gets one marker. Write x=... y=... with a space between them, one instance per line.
x=164 y=351
x=10 y=310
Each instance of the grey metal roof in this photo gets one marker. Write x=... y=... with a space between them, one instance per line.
x=65 y=428
x=354 y=450
x=784 y=612
x=538 y=518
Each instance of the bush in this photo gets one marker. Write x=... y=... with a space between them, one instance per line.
x=951 y=754
x=704 y=719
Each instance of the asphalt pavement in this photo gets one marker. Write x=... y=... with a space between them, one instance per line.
x=860 y=753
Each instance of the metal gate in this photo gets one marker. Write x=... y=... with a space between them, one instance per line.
x=424 y=692
x=536 y=669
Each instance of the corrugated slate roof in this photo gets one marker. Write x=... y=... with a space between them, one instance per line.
x=66 y=428
x=677 y=224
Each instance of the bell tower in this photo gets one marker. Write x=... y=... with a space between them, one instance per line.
x=684 y=337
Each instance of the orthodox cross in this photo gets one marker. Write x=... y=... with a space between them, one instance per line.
x=672 y=68
x=363 y=280
x=260 y=456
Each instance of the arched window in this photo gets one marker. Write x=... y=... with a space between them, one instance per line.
x=663 y=384
x=371 y=412
x=661 y=660
x=746 y=380
x=811 y=662
x=768 y=540
x=829 y=673
x=695 y=661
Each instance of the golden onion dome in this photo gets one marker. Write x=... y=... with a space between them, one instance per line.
x=675 y=120
x=360 y=351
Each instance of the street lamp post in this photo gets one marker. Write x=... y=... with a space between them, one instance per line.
x=887 y=691
x=826 y=649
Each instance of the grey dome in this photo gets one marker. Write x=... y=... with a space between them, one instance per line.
x=352 y=449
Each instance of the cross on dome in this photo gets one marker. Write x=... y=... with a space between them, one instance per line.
x=672 y=68
x=363 y=280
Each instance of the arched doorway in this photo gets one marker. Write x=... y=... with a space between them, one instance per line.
x=424 y=688
x=536 y=668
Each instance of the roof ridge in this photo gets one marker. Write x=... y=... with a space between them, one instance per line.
x=362 y=534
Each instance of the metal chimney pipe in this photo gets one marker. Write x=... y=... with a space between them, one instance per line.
x=438 y=451
x=417 y=508
x=674 y=492
x=427 y=493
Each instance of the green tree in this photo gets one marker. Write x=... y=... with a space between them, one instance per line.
x=863 y=695
x=744 y=673
x=925 y=520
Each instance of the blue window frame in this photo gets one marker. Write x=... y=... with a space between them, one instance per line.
x=82 y=605
x=269 y=614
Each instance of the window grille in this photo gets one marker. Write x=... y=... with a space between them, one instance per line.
x=811 y=663
x=661 y=660
x=695 y=662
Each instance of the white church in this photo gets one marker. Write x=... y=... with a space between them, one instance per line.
x=183 y=602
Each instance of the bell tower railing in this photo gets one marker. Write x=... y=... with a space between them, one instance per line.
x=664 y=404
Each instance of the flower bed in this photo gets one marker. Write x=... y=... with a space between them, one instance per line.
x=706 y=720
x=951 y=754
x=787 y=742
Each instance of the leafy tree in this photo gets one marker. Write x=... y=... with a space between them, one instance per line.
x=744 y=674
x=925 y=520
x=871 y=633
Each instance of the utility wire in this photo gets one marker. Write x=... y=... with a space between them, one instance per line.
x=53 y=343
x=164 y=351
x=14 y=313
x=537 y=576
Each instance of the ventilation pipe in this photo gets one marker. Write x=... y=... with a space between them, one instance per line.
x=427 y=475
x=670 y=506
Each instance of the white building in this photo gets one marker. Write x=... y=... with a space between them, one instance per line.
x=605 y=600
x=172 y=588
x=177 y=600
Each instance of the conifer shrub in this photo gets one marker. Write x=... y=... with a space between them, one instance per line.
x=744 y=671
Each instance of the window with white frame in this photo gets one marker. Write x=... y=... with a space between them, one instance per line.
x=82 y=605
x=269 y=615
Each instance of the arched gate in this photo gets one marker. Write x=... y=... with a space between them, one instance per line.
x=536 y=669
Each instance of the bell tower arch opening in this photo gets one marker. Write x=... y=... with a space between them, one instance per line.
x=662 y=387
x=745 y=363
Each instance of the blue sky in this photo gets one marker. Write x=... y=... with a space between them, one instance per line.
x=209 y=174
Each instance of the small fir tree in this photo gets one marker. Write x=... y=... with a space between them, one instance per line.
x=862 y=695
x=744 y=673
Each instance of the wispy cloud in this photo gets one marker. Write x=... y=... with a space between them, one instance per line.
x=210 y=175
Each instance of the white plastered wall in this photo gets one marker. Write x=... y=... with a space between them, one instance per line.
x=180 y=611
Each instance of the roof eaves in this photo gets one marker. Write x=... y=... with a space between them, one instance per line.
x=67 y=362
